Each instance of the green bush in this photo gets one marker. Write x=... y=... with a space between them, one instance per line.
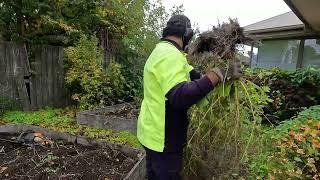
x=291 y=91
x=89 y=84
x=291 y=150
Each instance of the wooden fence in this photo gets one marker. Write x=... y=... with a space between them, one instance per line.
x=32 y=85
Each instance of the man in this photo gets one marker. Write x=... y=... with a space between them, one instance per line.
x=171 y=86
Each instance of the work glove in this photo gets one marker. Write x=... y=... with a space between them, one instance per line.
x=230 y=71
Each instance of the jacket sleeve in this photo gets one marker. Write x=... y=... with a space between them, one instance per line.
x=186 y=94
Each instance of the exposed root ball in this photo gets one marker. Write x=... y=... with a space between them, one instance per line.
x=221 y=40
x=216 y=45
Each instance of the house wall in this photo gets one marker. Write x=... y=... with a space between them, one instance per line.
x=288 y=54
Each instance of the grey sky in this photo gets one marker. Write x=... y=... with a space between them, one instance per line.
x=207 y=12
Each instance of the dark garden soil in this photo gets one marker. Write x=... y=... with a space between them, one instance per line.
x=61 y=161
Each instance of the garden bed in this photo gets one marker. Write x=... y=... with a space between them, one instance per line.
x=121 y=117
x=68 y=157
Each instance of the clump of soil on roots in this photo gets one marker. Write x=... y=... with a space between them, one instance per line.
x=216 y=45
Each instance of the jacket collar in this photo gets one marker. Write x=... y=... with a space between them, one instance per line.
x=172 y=42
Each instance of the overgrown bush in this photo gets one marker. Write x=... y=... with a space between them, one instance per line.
x=133 y=65
x=89 y=84
x=291 y=91
x=291 y=150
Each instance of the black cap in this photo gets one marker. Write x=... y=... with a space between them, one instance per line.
x=176 y=26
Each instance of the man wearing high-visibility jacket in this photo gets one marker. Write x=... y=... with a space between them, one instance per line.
x=171 y=86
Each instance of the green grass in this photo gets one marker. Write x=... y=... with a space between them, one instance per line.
x=62 y=120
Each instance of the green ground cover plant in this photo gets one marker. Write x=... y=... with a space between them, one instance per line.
x=62 y=120
x=290 y=150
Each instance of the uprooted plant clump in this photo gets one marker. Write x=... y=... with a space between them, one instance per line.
x=223 y=127
x=216 y=45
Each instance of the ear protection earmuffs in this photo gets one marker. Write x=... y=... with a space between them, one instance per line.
x=179 y=25
x=188 y=34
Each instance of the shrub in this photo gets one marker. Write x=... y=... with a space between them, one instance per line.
x=89 y=84
x=292 y=150
x=291 y=91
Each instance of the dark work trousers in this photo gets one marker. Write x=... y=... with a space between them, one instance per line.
x=163 y=165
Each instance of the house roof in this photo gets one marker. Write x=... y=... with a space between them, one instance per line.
x=286 y=21
x=307 y=11
x=302 y=22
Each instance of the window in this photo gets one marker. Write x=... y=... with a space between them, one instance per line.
x=278 y=53
x=311 y=53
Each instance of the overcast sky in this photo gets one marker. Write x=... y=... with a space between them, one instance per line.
x=207 y=12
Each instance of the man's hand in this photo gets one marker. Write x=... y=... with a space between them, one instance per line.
x=231 y=71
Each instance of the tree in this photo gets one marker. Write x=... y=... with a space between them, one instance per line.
x=62 y=22
x=177 y=10
x=144 y=39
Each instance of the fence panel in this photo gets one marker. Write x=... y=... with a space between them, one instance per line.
x=36 y=86
x=14 y=66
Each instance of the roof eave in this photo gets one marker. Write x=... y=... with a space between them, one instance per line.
x=298 y=14
x=292 y=34
x=283 y=28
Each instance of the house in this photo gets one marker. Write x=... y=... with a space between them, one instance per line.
x=290 y=40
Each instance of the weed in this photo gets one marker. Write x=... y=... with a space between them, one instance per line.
x=50 y=157
x=225 y=133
